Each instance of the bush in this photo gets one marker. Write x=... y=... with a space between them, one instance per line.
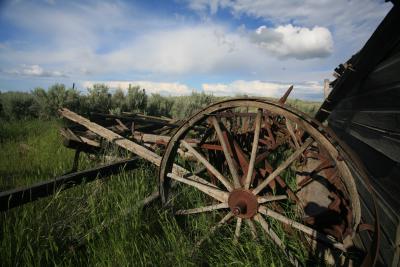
x=159 y=105
x=185 y=106
x=136 y=99
x=118 y=100
x=98 y=98
x=17 y=105
x=48 y=103
x=44 y=104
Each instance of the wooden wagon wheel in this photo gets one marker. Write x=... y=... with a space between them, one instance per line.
x=258 y=161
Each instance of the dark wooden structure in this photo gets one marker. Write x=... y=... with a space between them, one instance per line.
x=363 y=109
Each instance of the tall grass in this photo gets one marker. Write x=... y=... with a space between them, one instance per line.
x=31 y=151
x=101 y=223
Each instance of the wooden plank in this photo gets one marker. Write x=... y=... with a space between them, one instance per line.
x=383 y=171
x=389 y=219
x=17 y=197
x=381 y=99
x=384 y=74
x=385 y=120
x=113 y=137
x=385 y=143
x=124 y=143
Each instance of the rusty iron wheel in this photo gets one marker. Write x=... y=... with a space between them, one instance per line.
x=259 y=161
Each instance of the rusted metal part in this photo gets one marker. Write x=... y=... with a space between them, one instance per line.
x=243 y=203
x=283 y=99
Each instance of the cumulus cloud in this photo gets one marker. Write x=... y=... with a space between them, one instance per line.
x=351 y=22
x=164 y=88
x=297 y=42
x=35 y=70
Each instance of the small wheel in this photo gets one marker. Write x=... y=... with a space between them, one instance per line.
x=259 y=164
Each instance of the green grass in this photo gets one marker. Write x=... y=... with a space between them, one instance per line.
x=31 y=151
x=100 y=223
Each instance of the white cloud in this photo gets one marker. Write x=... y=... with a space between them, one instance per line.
x=74 y=41
x=35 y=70
x=297 y=42
x=304 y=90
x=164 y=88
x=352 y=22
x=115 y=40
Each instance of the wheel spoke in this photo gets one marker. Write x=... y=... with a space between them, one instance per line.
x=305 y=229
x=223 y=205
x=228 y=156
x=207 y=164
x=268 y=230
x=283 y=166
x=253 y=229
x=237 y=230
x=254 y=149
x=275 y=238
x=289 y=126
x=219 y=195
x=215 y=227
x=180 y=171
x=263 y=199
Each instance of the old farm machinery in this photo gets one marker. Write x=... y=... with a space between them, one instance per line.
x=261 y=165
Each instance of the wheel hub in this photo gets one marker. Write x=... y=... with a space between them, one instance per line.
x=243 y=203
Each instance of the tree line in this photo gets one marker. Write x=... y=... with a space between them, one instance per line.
x=43 y=104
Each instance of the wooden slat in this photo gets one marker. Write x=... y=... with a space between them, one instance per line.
x=386 y=120
x=385 y=143
x=384 y=74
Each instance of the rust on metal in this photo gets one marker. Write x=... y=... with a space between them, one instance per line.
x=243 y=203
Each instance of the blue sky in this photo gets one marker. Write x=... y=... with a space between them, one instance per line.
x=254 y=47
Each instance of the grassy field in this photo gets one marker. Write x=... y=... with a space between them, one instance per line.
x=101 y=223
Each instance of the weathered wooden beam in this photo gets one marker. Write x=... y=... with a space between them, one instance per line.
x=151 y=138
x=81 y=143
x=113 y=137
x=19 y=196
x=124 y=143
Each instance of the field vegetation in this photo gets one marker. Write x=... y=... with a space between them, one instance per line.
x=101 y=223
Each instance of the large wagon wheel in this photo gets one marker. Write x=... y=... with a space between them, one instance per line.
x=258 y=161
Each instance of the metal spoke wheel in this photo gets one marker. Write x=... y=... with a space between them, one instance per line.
x=266 y=167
